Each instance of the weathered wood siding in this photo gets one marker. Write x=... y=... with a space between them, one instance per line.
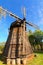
x=17 y=45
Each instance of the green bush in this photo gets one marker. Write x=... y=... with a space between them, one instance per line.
x=1 y=47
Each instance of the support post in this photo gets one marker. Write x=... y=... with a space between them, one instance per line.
x=18 y=61
x=8 y=62
x=13 y=62
x=24 y=61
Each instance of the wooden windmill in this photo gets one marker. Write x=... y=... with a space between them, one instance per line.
x=17 y=47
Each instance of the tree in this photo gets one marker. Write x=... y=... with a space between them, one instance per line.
x=36 y=38
x=30 y=32
x=39 y=37
x=32 y=40
x=2 y=46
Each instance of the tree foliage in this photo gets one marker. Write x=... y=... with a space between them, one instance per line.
x=36 y=38
x=2 y=46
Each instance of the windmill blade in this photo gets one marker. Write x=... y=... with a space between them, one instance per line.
x=33 y=25
x=11 y=14
x=23 y=12
x=15 y=16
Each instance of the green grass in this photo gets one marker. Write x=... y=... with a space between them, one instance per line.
x=38 y=60
x=1 y=63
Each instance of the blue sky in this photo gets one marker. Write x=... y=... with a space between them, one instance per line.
x=34 y=14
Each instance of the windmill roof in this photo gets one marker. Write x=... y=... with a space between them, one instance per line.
x=15 y=24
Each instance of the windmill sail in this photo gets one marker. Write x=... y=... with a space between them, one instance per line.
x=7 y=12
x=33 y=25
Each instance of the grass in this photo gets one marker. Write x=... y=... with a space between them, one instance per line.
x=1 y=62
x=38 y=60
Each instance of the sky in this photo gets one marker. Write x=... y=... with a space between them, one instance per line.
x=34 y=14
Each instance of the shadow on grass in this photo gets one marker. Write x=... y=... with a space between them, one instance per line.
x=39 y=52
x=2 y=58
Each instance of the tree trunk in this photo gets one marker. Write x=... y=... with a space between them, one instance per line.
x=41 y=47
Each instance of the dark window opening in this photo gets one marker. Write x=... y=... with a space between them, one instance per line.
x=21 y=61
x=10 y=62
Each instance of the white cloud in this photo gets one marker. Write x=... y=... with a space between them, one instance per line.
x=40 y=14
